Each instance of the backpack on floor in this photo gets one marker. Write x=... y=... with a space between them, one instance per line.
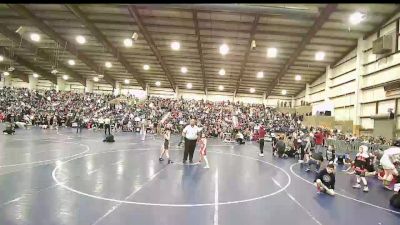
x=109 y=138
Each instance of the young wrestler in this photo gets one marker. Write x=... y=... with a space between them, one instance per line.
x=387 y=161
x=165 y=147
x=325 y=180
x=203 y=150
x=361 y=163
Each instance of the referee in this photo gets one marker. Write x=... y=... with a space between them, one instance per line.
x=190 y=133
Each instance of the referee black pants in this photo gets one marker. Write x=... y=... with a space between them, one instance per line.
x=107 y=128
x=190 y=146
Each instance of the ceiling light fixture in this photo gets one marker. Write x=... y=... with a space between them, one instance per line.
x=158 y=83
x=6 y=73
x=284 y=92
x=297 y=77
x=175 y=45
x=223 y=49
x=108 y=64
x=356 y=18
x=260 y=74
x=189 y=85
x=272 y=52
x=127 y=81
x=35 y=37
x=319 y=56
x=221 y=72
x=135 y=36
x=220 y=87
x=252 y=90
x=11 y=69
x=71 y=62
x=100 y=75
x=95 y=79
x=146 y=67
x=80 y=39
x=54 y=71
x=128 y=42
x=35 y=75
x=65 y=77
x=1 y=58
x=184 y=70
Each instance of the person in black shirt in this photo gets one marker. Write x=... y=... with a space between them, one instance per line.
x=315 y=159
x=325 y=180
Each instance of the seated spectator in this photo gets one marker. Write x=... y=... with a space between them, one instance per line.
x=325 y=180
x=240 y=138
x=281 y=148
x=316 y=159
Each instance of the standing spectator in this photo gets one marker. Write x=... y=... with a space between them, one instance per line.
x=261 y=136
x=319 y=139
x=78 y=124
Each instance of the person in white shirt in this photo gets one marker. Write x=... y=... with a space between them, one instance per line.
x=107 y=125
x=190 y=133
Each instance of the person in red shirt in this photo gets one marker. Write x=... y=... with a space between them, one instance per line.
x=261 y=135
x=319 y=139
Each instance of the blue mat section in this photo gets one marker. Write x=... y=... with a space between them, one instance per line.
x=124 y=183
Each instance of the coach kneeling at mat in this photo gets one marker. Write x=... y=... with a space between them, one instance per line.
x=190 y=133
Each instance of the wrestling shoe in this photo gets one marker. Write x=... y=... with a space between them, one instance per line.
x=300 y=161
x=170 y=161
x=261 y=154
x=357 y=186
x=366 y=189
x=206 y=167
x=160 y=159
x=307 y=169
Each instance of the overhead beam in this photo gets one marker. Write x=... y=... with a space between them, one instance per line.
x=246 y=56
x=319 y=22
x=135 y=15
x=249 y=9
x=13 y=36
x=29 y=65
x=197 y=30
x=21 y=75
x=378 y=27
x=106 y=43
x=70 y=47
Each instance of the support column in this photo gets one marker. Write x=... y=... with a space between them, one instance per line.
x=293 y=102
x=6 y=81
x=117 y=89
x=177 y=92
x=328 y=83
x=32 y=82
x=147 y=90
x=60 y=84
x=307 y=94
x=89 y=86
x=360 y=71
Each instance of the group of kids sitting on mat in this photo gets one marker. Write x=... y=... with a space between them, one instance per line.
x=384 y=165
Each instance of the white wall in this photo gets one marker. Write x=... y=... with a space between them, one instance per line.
x=372 y=74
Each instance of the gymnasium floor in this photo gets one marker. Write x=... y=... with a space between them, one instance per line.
x=49 y=179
